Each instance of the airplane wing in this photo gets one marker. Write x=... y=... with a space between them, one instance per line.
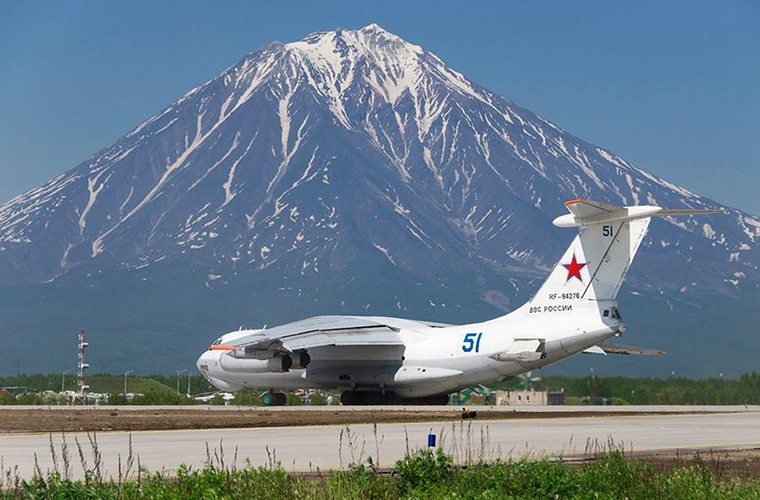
x=670 y=212
x=604 y=348
x=319 y=331
x=586 y=209
x=585 y=212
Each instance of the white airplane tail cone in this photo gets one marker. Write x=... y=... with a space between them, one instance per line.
x=594 y=265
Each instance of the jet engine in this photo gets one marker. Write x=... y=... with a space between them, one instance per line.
x=301 y=359
x=238 y=362
x=279 y=363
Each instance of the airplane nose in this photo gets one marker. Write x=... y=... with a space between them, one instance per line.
x=202 y=362
x=208 y=365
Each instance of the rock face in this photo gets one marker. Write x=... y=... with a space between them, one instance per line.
x=353 y=157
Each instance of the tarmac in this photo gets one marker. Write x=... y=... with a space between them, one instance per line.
x=313 y=448
x=580 y=409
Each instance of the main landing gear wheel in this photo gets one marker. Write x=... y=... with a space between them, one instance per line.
x=438 y=400
x=274 y=399
x=348 y=398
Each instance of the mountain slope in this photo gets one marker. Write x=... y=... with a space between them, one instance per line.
x=344 y=156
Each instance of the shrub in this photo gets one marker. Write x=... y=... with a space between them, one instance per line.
x=423 y=469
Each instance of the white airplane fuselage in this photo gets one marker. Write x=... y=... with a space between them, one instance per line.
x=380 y=359
x=433 y=359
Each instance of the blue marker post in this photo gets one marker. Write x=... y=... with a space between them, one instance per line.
x=431 y=440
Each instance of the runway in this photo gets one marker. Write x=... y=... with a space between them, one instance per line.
x=579 y=409
x=333 y=447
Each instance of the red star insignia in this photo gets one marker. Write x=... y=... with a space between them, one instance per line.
x=574 y=269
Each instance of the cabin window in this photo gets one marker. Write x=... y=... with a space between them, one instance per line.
x=606 y=313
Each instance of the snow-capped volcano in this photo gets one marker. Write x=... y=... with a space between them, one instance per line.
x=344 y=155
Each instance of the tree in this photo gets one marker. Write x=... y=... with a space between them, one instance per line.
x=247 y=397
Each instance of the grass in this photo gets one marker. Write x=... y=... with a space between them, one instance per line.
x=114 y=384
x=420 y=474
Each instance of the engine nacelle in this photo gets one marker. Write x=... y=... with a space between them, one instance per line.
x=301 y=359
x=279 y=364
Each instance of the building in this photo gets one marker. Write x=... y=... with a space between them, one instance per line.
x=529 y=398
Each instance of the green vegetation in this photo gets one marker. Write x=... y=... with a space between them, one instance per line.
x=197 y=384
x=252 y=397
x=424 y=474
x=162 y=390
x=151 y=390
x=247 y=397
x=107 y=383
x=111 y=384
x=650 y=391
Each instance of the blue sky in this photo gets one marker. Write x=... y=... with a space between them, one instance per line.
x=672 y=86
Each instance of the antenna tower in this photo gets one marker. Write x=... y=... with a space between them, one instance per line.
x=81 y=367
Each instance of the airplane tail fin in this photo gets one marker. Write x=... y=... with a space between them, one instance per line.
x=594 y=265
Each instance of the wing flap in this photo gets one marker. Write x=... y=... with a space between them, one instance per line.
x=318 y=331
x=349 y=336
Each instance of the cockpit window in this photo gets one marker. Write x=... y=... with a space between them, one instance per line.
x=606 y=313
x=217 y=341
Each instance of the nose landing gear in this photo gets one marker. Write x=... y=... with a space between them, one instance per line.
x=273 y=399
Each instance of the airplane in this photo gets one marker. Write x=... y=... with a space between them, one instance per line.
x=384 y=360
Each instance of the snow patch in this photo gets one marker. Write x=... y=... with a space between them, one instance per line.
x=385 y=252
x=228 y=194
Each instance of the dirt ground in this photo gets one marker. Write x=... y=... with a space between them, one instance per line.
x=741 y=464
x=64 y=420
x=92 y=419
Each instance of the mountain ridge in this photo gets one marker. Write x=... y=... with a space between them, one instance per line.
x=356 y=150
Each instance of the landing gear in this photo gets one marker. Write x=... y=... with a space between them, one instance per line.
x=437 y=400
x=348 y=398
x=274 y=399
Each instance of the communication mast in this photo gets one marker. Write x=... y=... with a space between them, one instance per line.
x=81 y=367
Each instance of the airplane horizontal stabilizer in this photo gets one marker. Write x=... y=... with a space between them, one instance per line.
x=587 y=212
x=626 y=350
